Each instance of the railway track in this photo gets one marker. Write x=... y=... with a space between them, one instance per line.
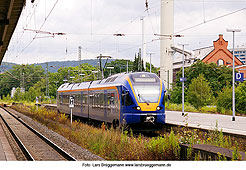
x=33 y=144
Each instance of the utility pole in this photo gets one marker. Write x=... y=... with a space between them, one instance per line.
x=139 y=60
x=233 y=72
x=143 y=42
x=100 y=64
x=22 y=74
x=23 y=80
x=79 y=54
x=126 y=66
x=47 y=80
x=150 y=67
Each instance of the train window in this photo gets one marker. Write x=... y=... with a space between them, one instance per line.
x=110 y=98
x=77 y=99
x=84 y=100
x=60 y=98
x=108 y=80
x=128 y=100
x=163 y=101
x=113 y=79
x=65 y=99
x=101 y=100
x=144 y=80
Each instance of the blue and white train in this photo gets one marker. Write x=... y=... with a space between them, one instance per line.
x=133 y=99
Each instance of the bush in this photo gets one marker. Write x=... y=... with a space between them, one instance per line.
x=208 y=109
x=224 y=100
x=240 y=98
x=176 y=95
x=199 y=93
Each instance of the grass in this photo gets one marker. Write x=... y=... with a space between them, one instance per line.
x=113 y=144
x=189 y=108
x=206 y=109
x=107 y=143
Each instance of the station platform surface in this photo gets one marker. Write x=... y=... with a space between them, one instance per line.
x=208 y=121
x=6 y=152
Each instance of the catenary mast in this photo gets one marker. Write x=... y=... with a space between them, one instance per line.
x=167 y=27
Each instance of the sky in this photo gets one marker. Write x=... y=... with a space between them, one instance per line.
x=92 y=24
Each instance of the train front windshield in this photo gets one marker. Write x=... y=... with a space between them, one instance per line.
x=146 y=87
x=147 y=93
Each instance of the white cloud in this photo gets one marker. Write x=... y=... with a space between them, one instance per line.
x=78 y=19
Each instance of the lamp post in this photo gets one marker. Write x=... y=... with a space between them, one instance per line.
x=183 y=79
x=233 y=72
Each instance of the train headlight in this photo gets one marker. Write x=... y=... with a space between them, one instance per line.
x=137 y=108
x=158 y=108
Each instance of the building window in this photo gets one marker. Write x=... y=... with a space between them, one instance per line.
x=220 y=62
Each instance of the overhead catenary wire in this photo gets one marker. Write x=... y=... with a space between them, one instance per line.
x=213 y=19
x=39 y=28
x=188 y=28
x=110 y=35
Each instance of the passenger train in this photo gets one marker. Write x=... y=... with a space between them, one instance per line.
x=123 y=99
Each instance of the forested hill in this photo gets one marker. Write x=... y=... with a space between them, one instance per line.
x=55 y=65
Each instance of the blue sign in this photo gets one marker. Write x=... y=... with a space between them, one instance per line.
x=239 y=77
x=183 y=79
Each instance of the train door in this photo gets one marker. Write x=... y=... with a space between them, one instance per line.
x=77 y=103
x=96 y=105
x=84 y=104
x=112 y=105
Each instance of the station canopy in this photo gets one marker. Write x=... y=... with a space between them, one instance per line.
x=10 y=11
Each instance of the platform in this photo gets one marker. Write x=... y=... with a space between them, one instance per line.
x=208 y=121
x=6 y=152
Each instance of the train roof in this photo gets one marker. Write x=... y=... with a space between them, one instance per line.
x=114 y=80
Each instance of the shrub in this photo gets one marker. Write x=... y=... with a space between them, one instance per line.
x=240 y=95
x=208 y=109
x=224 y=100
x=199 y=93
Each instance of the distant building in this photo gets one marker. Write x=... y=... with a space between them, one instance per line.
x=218 y=53
x=13 y=91
x=240 y=53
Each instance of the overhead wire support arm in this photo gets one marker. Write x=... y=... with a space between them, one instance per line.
x=45 y=32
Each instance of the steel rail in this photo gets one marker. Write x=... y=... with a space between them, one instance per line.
x=18 y=141
x=45 y=139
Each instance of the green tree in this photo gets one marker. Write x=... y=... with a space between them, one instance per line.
x=240 y=98
x=138 y=62
x=199 y=93
x=80 y=73
x=19 y=96
x=119 y=67
x=153 y=68
x=176 y=95
x=224 y=100
x=20 y=76
x=217 y=76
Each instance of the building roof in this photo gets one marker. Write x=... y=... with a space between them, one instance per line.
x=220 y=51
x=10 y=11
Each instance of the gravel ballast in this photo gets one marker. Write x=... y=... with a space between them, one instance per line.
x=73 y=149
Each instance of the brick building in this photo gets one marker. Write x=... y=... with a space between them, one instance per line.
x=222 y=56
x=218 y=53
